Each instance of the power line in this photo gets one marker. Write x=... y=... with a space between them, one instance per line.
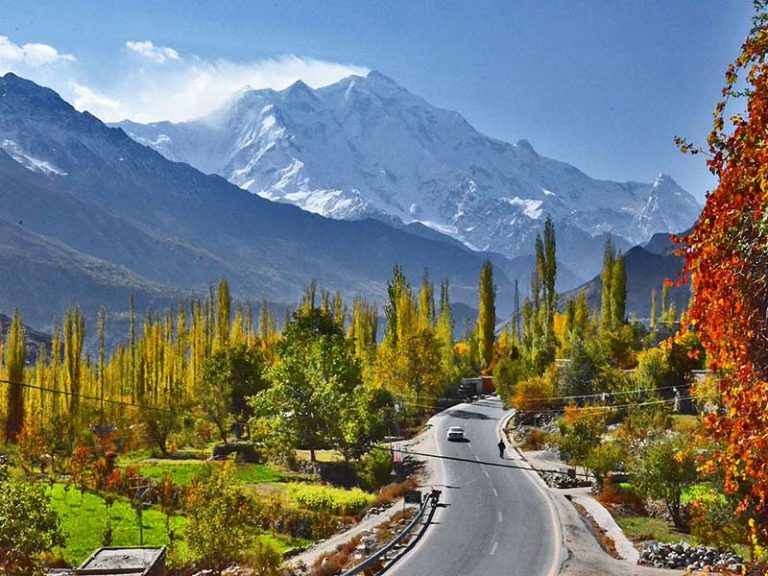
x=83 y=396
x=601 y=394
x=610 y=407
x=468 y=461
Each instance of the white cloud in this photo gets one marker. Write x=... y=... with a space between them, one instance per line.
x=32 y=55
x=159 y=83
x=98 y=104
x=188 y=87
x=158 y=54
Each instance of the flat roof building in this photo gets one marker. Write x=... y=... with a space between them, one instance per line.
x=127 y=561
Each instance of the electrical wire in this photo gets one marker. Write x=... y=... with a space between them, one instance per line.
x=83 y=396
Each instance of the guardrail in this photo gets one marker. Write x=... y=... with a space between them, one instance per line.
x=377 y=555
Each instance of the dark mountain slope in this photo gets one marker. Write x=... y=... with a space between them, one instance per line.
x=67 y=176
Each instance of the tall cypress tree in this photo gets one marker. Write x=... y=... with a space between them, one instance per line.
x=74 y=334
x=426 y=302
x=486 y=318
x=618 y=291
x=444 y=331
x=101 y=331
x=606 y=277
x=395 y=289
x=15 y=353
x=516 y=315
x=654 y=308
x=224 y=311
x=549 y=277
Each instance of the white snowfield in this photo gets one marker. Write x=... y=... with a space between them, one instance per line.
x=366 y=146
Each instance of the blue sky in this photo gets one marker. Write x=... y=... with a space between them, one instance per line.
x=605 y=85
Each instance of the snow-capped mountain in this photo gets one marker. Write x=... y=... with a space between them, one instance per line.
x=88 y=215
x=366 y=146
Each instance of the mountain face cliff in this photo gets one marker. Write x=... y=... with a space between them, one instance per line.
x=366 y=146
x=119 y=217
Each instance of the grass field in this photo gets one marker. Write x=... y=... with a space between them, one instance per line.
x=640 y=528
x=182 y=471
x=84 y=520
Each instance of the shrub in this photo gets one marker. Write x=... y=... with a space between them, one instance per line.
x=714 y=522
x=265 y=560
x=535 y=394
x=374 y=467
x=327 y=499
x=621 y=495
x=537 y=439
x=220 y=530
x=29 y=526
x=581 y=430
x=392 y=492
x=603 y=459
x=663 y=470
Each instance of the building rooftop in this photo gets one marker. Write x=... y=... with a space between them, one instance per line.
x=129 y=561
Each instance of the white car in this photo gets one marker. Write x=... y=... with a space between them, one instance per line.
x=455 y=433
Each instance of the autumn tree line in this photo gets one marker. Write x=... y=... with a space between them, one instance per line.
x=332 y=376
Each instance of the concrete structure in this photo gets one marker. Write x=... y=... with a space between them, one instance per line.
x=126 y=561
x=478 y=385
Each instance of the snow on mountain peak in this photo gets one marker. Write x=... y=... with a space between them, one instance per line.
x=366 y=146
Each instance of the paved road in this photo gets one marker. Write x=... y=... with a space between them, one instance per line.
x=496 y=520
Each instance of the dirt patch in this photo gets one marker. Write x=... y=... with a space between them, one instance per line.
x=605 y=541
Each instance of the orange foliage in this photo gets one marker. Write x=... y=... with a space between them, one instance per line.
x=727 y=260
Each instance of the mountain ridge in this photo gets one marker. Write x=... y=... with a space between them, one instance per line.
x=92 y=190
x=365 y=146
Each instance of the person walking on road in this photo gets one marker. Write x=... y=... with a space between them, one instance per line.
x=502 y=447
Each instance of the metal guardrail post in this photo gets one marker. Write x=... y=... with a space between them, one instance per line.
x=432 y=499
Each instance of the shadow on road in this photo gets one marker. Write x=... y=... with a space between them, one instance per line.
x=466 y=415
x=487 y=403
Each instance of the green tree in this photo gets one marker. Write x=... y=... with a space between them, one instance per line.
x=579 y=376
x=220 y=529
x=315 y=376
x=654 y=309
x=663 y=470
x=396 y=288
x=29 y=526
x=603 y=459
x=230 y=376
x=160 y=422
x=486 y=318
x=606 y=278
x=618 y=291
x=581 y=430
x=15 y=353
x=547 y=265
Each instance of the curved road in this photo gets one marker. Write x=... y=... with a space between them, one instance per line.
x=496 y=519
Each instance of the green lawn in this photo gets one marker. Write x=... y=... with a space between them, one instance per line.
x=84 y=520
x=183 y=471
x=84 y=523
x=639 y=528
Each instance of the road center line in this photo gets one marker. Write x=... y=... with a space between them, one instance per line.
x=495 y=492
x=493 y=548
x=500 y=518
x=486 y=472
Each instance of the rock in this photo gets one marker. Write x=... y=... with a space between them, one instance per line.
x=683 y=555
